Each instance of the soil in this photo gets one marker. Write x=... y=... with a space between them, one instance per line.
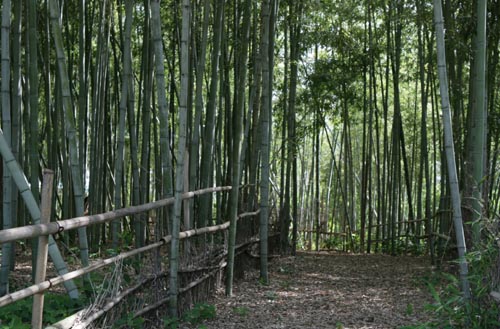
x=328 y=290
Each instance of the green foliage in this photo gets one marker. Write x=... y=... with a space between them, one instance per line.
x=417 y=249
x=271 y=295
x=199 y=313
x=170 y=323
x=15 y=323
x=241 y=311
x=56 y=308
x=450 y=308
x=332 y=243
x=129 y=322
x=286 y=284
x=286 y=270
x=405 y=246
x=409 y=309
x=127 y=238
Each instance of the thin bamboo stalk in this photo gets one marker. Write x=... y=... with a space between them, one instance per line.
x=43 y=247
x=450 y=150
x=25 y=192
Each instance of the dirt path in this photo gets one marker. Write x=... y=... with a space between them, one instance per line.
x=328 y=291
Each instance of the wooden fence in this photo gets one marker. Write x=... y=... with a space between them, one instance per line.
x=46 y=228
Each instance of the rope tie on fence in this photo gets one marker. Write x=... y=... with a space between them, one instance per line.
x=60 y=228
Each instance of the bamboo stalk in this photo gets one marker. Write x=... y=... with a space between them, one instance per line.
x=43 y=247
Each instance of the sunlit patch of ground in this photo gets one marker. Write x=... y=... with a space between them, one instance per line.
x=328 y=290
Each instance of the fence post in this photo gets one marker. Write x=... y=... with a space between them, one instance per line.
x=43 y=246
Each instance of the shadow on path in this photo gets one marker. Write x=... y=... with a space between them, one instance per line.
x=329 y=290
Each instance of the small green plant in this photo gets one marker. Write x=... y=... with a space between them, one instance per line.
x=241 y=311
x=15 y=323
x=286 y=270
x=199 y=313
x=56 y=307
x=409 y=309
x=451 y=309
x=285 y=284
x=271 y=295
x=332 y=243
x=170 y=323
x=339 y=325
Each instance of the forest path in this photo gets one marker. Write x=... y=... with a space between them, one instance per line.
x=329 y=290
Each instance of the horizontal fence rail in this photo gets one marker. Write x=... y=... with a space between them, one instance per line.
x=33 y=231
x=45 y=285
x=45 y=229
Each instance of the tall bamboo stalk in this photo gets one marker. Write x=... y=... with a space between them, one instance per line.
x=237 y=140
x=76 y=175
x=6 y=126
x=265 y=144
x=207 y=152
x=166 y=170
x=179 y=179
x=127 y=68
x=449 y=148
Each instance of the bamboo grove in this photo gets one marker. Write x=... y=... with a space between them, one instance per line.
x=324 y=114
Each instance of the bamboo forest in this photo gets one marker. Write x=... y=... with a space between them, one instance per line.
x=250 y=164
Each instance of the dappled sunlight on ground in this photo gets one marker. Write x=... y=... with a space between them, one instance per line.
x=321 y=290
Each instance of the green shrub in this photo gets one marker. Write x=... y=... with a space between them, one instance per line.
x=129 y=322
x=56 y=307
x=332 y=243
x=241 y=311
x=199 y=313
x=450 y=308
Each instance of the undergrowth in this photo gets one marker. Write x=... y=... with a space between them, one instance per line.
x=195 y=316
x=56 y=307
x=450 y=309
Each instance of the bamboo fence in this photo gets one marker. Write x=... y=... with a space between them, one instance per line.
x=44 y=229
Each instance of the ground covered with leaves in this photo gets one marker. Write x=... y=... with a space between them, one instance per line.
x=328 y=290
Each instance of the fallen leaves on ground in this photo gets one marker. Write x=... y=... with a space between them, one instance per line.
x=328 y=290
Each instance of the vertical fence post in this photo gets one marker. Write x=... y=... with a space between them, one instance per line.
x=43 y=246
